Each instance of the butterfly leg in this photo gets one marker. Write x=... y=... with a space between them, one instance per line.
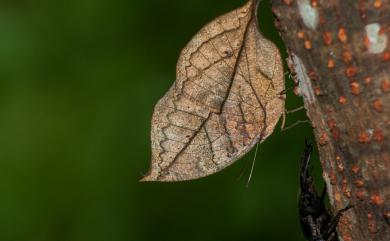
x=284 y=92
x=333 y=237
x=286 y=112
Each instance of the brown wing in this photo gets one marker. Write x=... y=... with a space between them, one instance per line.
x=224 y=101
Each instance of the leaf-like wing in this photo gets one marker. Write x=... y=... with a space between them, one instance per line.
x=224 y=100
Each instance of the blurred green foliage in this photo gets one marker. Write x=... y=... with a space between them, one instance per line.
x=78 y=83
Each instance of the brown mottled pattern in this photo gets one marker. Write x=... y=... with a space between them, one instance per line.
x=224 y=101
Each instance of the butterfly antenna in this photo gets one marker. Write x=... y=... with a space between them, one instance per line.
x=253 y=166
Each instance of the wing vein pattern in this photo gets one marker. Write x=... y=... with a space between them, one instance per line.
x=224 y=100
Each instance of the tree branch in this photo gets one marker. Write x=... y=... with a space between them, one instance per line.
x=339 y=52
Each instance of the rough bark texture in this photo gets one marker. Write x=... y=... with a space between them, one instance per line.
x=339 y=52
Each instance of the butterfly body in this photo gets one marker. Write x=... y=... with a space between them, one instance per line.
x=317 y=222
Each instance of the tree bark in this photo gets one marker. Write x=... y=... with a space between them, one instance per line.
x=339 y=53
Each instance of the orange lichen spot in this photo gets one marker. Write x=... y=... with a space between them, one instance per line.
x=327 y=36
x=301 y=34
x=340 y=165
x=364 y=138
x=359 y=183
x=287 y=2
x=345 y=188
x=351 y=71
x=314 y=3
x=379 y=136
x=347 y=57
x=363 y=15
x=386 y=56
x=347 y=193
x=387 y=215
x=336 y=133
x=317 y=91
x=355 y=169
x=308 y=44
x=369 y=162
x=324 y=139
x=342 y=35
x=378 y=3
x=367 y=80
x=331 y=63
x=361 y=195
x=377 y=200
x=345 y=221
x=313 y=75
x=371 y=223
x=322 y=19
x=372 y=227
x=382 y=30
x=342 y=100
x=332 y=178
x=366 y=41
x=337 y=197
x=362 y=10
x=347 y=238
x=355 y=88
x=331 y=123
x=385 y=86
x=377 y=104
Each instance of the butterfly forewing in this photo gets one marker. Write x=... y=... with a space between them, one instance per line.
x=224 y=101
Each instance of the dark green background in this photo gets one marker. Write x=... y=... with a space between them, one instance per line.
x=78 y=83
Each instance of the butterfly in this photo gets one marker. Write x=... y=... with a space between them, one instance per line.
x=225 y=100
